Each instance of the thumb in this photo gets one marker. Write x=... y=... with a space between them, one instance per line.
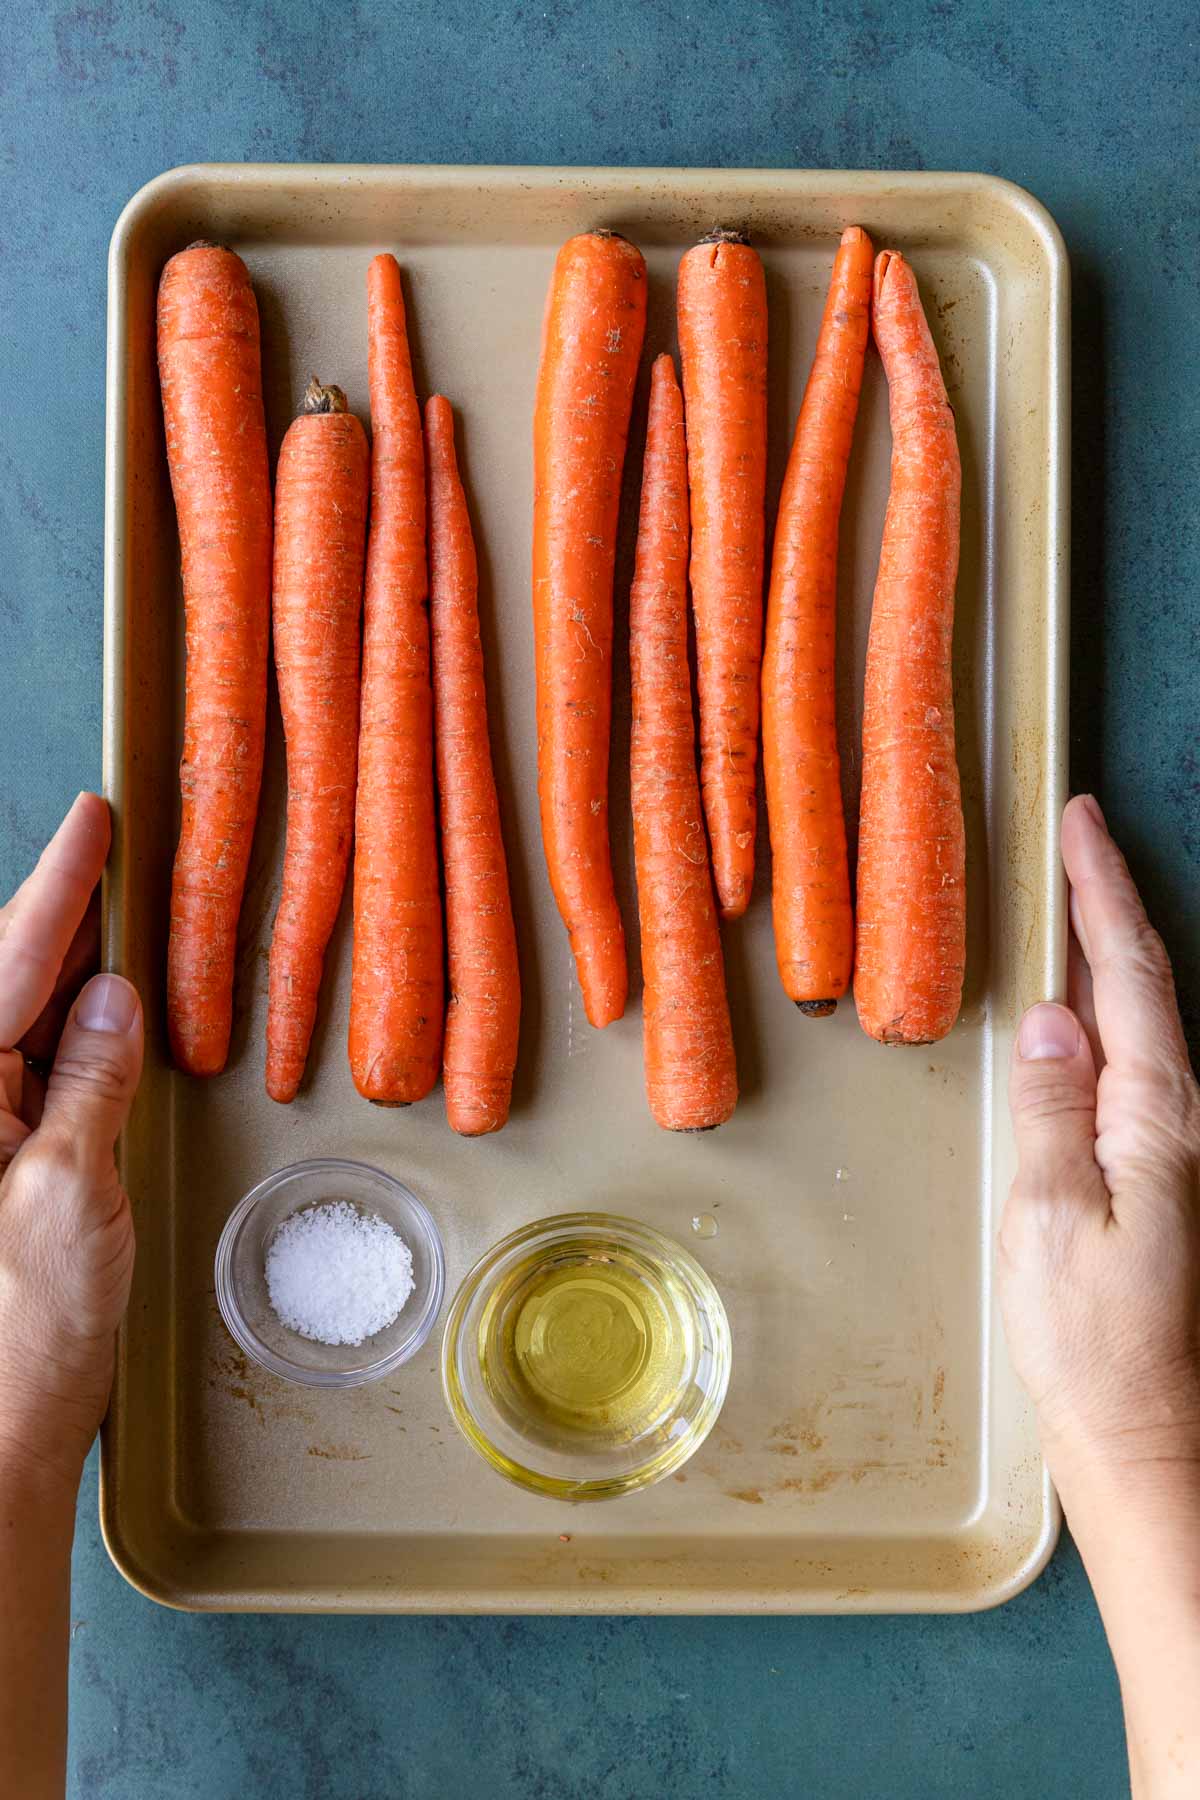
x=96 y=1070
x=1052 y=1092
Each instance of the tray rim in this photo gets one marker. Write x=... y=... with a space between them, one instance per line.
x=1006 y=1585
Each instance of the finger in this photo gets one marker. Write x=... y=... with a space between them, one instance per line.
x=22 y=1089
x=95 y=1073
x=79 y=964
x=39 y=923
x=13 y=1132
x=1052 y=1092
x=1081 y=999
x=1136 y=1012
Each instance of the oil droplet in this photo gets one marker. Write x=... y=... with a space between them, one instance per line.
x=704 y=1225
x=841 y=1175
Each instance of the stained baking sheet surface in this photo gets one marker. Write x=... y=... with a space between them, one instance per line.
x=875 y=1451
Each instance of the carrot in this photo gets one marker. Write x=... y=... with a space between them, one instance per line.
x=397 y=992
x=723 y=345
x=911 y=861
x=211 y=375
x=691 y=1075
x=814 y=927
x=591 y=341
x=316 y=606
x=484 y=1013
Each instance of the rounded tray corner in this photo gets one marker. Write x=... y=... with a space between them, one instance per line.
x=1006 y=1585
x=1034 y=214
x=150 y=196
x=149 y=1574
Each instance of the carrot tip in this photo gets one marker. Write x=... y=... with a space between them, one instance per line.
x=722 y=234
x=319 y=399
x=816 y=1009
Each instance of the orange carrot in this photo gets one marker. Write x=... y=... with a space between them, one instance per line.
x=591 y=342
x=723 y=345
x=397 y=992
x=691 y=1075
x=911 y=860
x=316 y=606
x=484 y=1013
x=211 y=375
x=814 y=928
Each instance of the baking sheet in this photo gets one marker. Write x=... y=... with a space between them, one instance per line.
x=875 y=1452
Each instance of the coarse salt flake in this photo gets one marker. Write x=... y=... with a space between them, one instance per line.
x=337 y=1275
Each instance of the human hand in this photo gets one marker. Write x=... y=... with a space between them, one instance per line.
x=66 y=1236
x=1100 y=1243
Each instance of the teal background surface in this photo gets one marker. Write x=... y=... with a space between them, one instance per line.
x=1092 y=106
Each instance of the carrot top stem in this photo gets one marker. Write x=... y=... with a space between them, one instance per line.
x=723 y=234
x=319 y=399
x=203 y=244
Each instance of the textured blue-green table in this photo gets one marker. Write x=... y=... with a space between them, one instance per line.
x=1094 y=107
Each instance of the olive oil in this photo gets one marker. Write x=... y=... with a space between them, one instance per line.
x=588 y=1341
x=586 y=1356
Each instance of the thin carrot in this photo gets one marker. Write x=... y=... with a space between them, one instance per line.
x=211 y=374
x=691 y=1074
x=911 y=861
x=814 y=927
x=484 y=1014
x=397 y=992
x=723 y=345
x=591 y=341
x=316 y=608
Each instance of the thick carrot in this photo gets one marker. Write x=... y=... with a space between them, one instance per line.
x=484 y=1014
x=691 y=1075
x=397 y=994
x=321 y=488
x=591 y=342
x=723 y=345
x=211 y=374
x=911 y=859
x=810 y=876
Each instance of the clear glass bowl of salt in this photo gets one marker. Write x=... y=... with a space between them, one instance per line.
x=330 y=1273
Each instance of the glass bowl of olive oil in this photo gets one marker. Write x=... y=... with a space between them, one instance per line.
x=586 y=1356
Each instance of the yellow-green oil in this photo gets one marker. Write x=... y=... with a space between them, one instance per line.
x=587 y=1343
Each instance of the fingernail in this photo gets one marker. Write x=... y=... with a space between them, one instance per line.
x=1092 y=807
x=1047 y=1032
x=107 y=1004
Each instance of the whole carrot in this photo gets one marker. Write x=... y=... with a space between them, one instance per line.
x=911 y=861
x=591 y=342
x=810 y=882
x=723 y=345
x=397 y=992
x=484 y=1014
x=316 y=607
x=211 y=375
x=691 y=1075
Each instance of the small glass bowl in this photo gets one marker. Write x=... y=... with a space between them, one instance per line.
x=544 y=1456
x=242 y=1287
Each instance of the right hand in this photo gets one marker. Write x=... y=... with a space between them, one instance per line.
x=1100 y=1243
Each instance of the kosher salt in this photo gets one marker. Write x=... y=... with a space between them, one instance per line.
x=337 y=1275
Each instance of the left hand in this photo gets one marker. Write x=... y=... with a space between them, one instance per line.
x=66 y=1235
